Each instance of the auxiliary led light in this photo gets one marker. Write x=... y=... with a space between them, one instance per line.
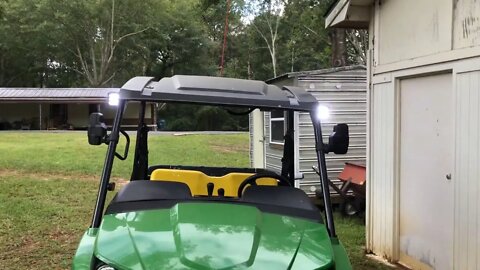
x=323 y=112
x=113 y=99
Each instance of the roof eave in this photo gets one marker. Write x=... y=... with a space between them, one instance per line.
x=349 y=14
x=54 y=100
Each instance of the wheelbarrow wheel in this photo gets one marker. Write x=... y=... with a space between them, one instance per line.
x=350 y=207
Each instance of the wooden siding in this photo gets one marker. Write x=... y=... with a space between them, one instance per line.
x=467 y=172
x=466 y=24
x=381 y=173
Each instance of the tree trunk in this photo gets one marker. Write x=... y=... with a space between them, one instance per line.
x=274 y=60
x=339 y=50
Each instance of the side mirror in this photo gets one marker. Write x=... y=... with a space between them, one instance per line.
x=338 y=140
x=97 y=130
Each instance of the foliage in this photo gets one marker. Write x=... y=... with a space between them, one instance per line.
x=96 y=43
x=195 y=117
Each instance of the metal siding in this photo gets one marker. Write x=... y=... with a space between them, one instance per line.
x=344 y=93
x=381 y=178
x=467 y=171
x=52 y=94
x=273 y=156
x=250 y=136
x=343 y=90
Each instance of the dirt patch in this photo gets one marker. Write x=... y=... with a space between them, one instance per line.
x=229 y=148
x=23 y=245
x=120 y=182
x=56 y=176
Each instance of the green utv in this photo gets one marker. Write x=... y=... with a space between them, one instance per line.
x=195 y=217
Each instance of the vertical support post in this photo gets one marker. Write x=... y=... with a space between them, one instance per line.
x=291 y=133
x=153 y=114
x=107 y=167
x=140 y=159
x=322 y=168
x=288 y=159
x=40 y=116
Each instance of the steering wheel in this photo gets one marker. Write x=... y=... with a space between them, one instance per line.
x=252 y=180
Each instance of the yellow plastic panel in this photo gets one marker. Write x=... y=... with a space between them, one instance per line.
x=197 y=181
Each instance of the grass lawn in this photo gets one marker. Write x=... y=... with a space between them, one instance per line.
x=48 y=185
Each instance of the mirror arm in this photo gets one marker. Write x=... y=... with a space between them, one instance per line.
x=326 y=148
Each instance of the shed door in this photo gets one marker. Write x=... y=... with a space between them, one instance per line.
x=426 y=164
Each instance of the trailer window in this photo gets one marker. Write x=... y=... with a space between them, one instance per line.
x=277 y=127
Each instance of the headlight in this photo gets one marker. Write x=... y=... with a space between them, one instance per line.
x=105 y=267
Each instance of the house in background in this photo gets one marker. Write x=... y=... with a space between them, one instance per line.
x=343 y=91
x=57 y=108
x=424 y=129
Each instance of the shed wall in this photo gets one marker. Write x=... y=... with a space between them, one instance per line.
x=424 y=28
x=344 y=93
x=411 y=39
x=273 y=153
x=466 y=24
x=467 y=173
x=381 y=173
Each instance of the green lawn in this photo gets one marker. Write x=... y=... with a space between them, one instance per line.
x=48 y=184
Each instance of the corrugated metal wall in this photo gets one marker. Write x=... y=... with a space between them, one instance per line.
x=467 y=171
x=381 y=210
x=250 y=136
x=273 y=155
x=344 y=92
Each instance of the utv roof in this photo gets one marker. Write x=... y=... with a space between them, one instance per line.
x=218 y=91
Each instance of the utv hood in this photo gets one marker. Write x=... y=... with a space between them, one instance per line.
x=212 y=236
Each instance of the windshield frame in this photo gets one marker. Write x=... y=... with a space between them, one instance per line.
x=114 y=138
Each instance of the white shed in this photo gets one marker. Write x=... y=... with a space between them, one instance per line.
x=343 y=91
x=423 y=158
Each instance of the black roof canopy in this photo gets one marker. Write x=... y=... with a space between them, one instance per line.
x=218 y=91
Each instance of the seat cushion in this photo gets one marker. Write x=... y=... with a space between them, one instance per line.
x=197 y=181
x=278 y=196
x=145 y=190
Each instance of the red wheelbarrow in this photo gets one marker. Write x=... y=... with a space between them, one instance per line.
x=352 y=191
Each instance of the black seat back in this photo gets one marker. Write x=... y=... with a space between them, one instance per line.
x=145 y=190
x=278 y=196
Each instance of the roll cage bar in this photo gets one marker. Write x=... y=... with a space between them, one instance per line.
x=140 y=163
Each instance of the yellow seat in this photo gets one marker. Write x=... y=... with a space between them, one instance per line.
x=197 y=181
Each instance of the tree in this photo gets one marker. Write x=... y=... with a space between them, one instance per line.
x=267 y=22
x=92 y=31
x=179 y=43
x=308 y=42
x=22 y=62
x=357 y=44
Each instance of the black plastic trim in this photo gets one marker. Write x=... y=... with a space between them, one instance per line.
x=124 y=207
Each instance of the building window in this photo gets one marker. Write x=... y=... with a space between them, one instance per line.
x=277 y=127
